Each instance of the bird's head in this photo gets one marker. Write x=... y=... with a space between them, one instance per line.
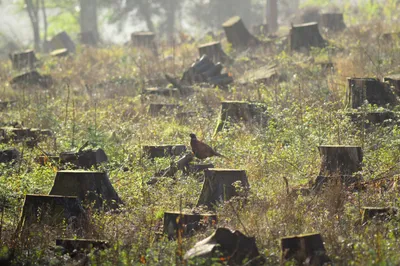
x=192 y=136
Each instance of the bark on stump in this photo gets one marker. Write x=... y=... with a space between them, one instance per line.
x=234 y=111
x=217 y=186
x=304 y=36
x=54 y=211
x=332 y=21
x=231 y=247
x=70 y=245
x=156 y=109
x=90 y=187
x=238 y=35
x=302 y=248
x=31 y=79
x=23 y=60
x=214 y=51
x=372 y=90
x=377 y=213
x=340 y=160
x=185 y=224
x=160 y=151
x=62 y=41
x=144 y=39
x=394 y=82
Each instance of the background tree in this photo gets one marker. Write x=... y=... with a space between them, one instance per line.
x=88 y=17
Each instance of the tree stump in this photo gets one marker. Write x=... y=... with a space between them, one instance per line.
x=224 y=245
x=340 y=160
x=390 y=36
x=9 y=156
x=373 y=118
x=144 y=39
x=197 y=168
x=372 y=90
x=304 y=248
x=23 y=60
x=261 y=30
x=214 y=51
x=54 y=211
x=332 y=21
x=60 y=52
x=265 y=75
x=394 y=82
x=377 y=213
x=70 y=245
x=84 y=159
x=156 y=109
x=31 y=79
x=161 y=151
x=88 y=38
x=185 y=224
x=234 y=111
x=304 y=36
x=217 y=186
x=27 y=135
x=7 y=104
x=238 y=35
x=91 y=187
x=61 y=41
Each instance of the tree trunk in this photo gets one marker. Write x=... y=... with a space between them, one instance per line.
x=144 y=10
x=34 y=17
x=272 y=15
x=170 y=21
x=88 y=17
x=45 y=25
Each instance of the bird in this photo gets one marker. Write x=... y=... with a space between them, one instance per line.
x=202 y=150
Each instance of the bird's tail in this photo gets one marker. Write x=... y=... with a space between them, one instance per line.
x=220 y=155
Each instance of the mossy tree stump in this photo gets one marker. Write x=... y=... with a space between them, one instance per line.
x=304 y=36
x=340 y=160
x=372 y=90
x=160 y=151
x=156 y=109
x=62 y=40
x=234 y=112
x=393 y=81
x=217 y=186
x=22 y=60
x=9 y=155
x=81 y=244
x=304 y=248
x=237 y=34
x=31 y=79
x=332 y=21
x=224 y=245
x=93 y=188
x=377 y=213
x=185 y=224
x=54 y=211
x=214 y=51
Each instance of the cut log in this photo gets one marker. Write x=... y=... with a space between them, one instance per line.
x=369 y=119
x=217 y=186
x=84 y=159
x=377 y=213
x=186 y=224
x=61 y=41
x=224 y=245
x=214 y=51
x=394 y=82
x=23 y=60
x=233 y=112
x=371 y=90
x=332 y=21
x=304 y=36
x=161 y=151
x=88 y=38
x=238 y=35
x=54 y=211
x=9 y=156
x=73 y=245
x=93 y=188
x=340 y=160
x=307 y=248
x=156 y=109
x=60 y=52
x=30 y=79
